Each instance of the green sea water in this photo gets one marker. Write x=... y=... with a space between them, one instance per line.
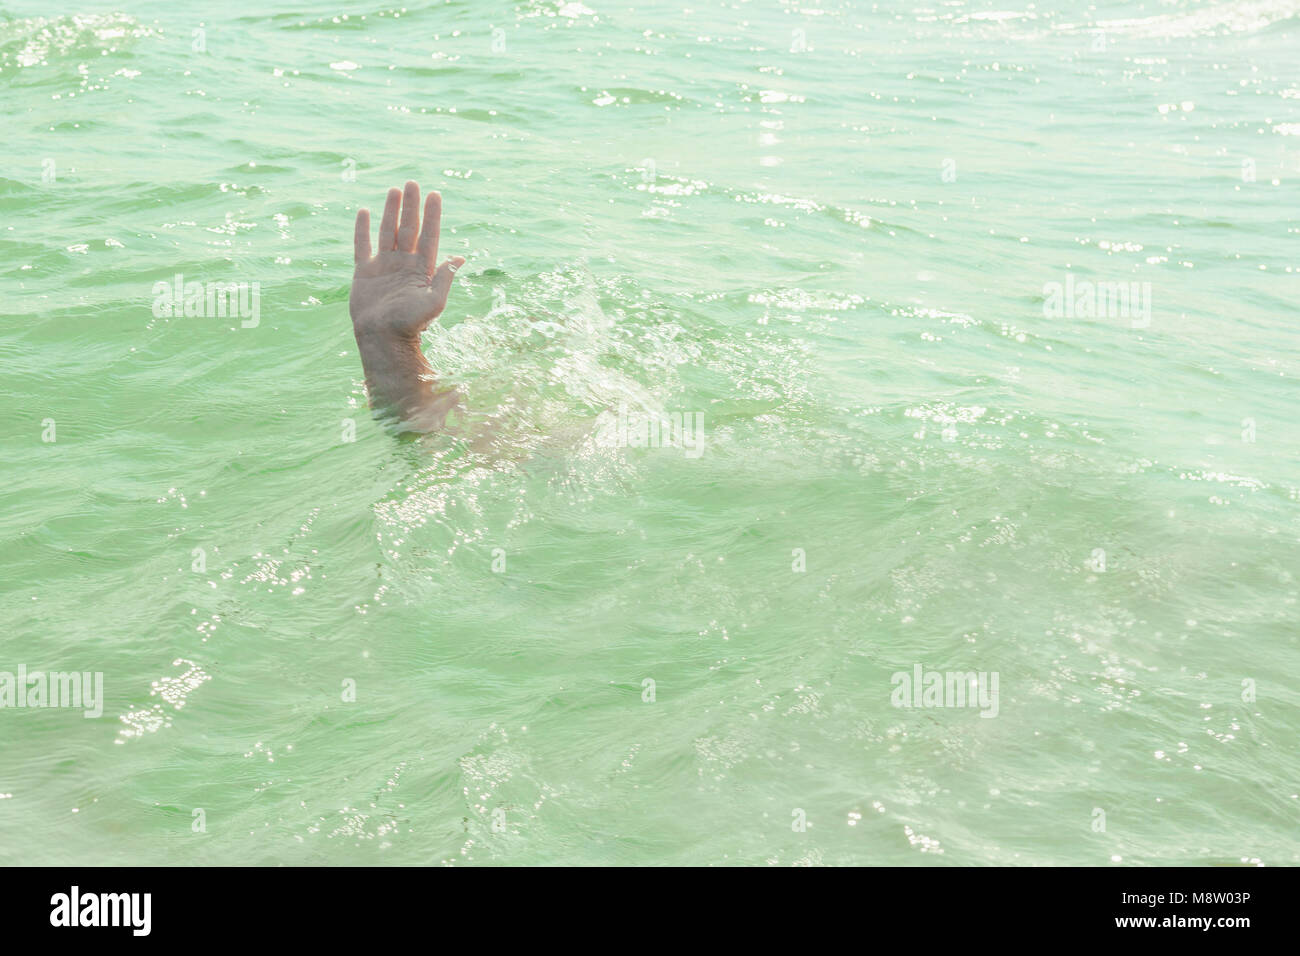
x=836 y=233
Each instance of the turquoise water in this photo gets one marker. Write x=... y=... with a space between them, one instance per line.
x=836 y=233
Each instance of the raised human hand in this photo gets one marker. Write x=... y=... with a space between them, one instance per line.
x=395 y=294
x=398 y=290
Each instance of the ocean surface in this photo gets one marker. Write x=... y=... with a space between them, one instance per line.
x=875 y=251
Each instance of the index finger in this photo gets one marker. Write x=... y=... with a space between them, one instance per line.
x=428 y=247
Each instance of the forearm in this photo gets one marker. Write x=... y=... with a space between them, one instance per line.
x=399 y=377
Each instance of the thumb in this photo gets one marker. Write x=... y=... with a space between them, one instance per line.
x=443 y=278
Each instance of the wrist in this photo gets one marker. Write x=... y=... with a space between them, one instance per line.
x=375 y=333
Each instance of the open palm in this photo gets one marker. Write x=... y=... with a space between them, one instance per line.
x=398 y=290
